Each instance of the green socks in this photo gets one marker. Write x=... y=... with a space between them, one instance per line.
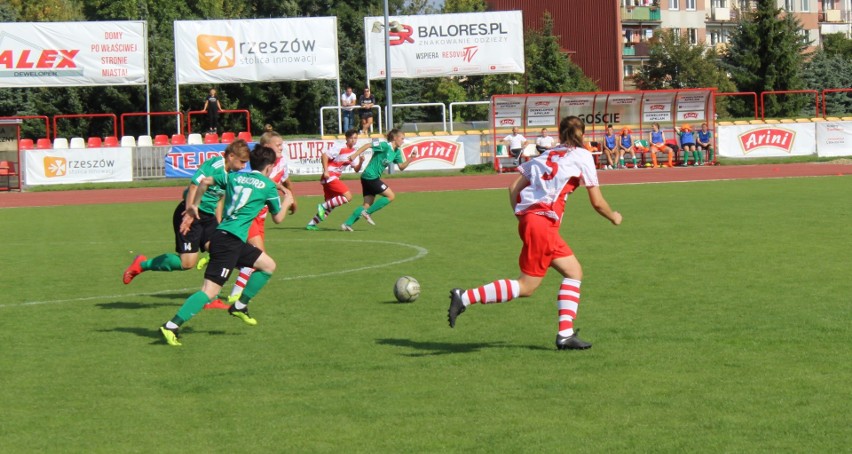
x=190 y=307
x=256 y=282
x=378 y=205
x=165 y=262
x=355 y=215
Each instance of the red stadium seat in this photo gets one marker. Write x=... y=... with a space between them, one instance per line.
x=228 y=137
x=161 y=140
x=26 y=144
x=211 y=138
x=245 y=135
x=94 y=142
x=110 y=141
x=7 y=170
x=44 y=144
x=178 y=139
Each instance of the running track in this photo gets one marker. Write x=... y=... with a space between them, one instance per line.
x=453 y=183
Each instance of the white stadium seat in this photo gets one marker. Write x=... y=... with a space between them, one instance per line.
x=60 y=142
x=145 y=141
x=128 y=141
x=78 y=142
x=195 y=139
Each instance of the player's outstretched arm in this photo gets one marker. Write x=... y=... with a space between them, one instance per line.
x=406 y=163
x=601 y=206
x=289 y=186
x=286 y=201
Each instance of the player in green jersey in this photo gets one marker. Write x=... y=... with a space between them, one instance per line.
x=245 y=195
x=197 y=237
x=385 y=154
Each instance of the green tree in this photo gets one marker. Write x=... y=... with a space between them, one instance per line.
x=676 y=63
x=548 y=68
x=767 y=53
x=824 y=71
x=837 y=44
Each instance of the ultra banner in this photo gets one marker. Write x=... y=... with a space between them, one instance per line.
x=66 y=54
x=305 y=156
x=256 y=50
x=436 y=45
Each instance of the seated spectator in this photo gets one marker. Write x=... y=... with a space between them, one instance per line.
x=657 y=139
x=609 y=147
x=687 y=144
x=516 y=143
x=625 y=145
x=705 y=143
x=543 y=142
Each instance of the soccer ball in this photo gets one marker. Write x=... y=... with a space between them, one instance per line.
x=406 y=289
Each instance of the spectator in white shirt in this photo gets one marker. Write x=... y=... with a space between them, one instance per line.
x=348 y=101
x=516 y=144
x=543 y=142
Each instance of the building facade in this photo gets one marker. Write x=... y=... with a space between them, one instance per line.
x=633 y=22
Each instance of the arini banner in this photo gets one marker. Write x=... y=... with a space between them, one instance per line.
x=67 y=54
x=435 y=45
x=256 y=50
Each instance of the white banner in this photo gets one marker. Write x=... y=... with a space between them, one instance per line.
x=66 y=54
x=434 y=153
x=255 y=50
x=764 y=141
x=69 y=166
x=436 y=45
x=834 y=138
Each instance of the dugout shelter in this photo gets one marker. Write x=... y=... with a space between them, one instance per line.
x=636 y=110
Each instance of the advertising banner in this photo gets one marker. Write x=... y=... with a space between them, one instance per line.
x=765 y=141
x=70 y=166
x=256 y=50
x=66 y=54
x=305 y=156
x=435 y=45
x=834 y=138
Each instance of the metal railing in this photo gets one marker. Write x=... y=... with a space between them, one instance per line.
x=463 y=103
x=340 y=124
x=428 y=104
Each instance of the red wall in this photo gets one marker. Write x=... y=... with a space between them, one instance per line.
x=589 y=31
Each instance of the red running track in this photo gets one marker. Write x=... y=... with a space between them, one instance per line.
x=450 y=183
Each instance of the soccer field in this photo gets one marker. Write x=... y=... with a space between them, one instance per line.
x=719 y=314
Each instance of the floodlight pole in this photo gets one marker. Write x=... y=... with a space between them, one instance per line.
x=389 y=103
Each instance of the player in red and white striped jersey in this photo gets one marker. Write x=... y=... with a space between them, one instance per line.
x=281 y=176
x=538 y=199
x=334 y=163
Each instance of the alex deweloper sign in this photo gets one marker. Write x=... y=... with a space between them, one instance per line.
x=63 y=54
x=436 y=45
x=256 y=50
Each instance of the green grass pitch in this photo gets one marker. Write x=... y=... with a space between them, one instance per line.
x=719 y=314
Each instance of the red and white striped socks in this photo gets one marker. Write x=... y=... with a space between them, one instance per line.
x=496 y=292
x=329 y=205
x=242 y=278
x=567 y=302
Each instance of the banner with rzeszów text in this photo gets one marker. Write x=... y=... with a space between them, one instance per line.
x=435 y=45
x=71 y=166
x=66 y=54
x=256 y=50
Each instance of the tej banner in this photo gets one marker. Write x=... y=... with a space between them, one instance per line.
x=834 y=138
x=257 y=50
x=436 y=45
x=66 y=54
x=65 y=166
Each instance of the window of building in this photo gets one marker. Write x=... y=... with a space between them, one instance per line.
x=720 y=3
x=674 y=4
x=690 y=5
x=628 y=70
x=788 y=5
x=827 y=4
x=692 y=34
x=806 y=5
